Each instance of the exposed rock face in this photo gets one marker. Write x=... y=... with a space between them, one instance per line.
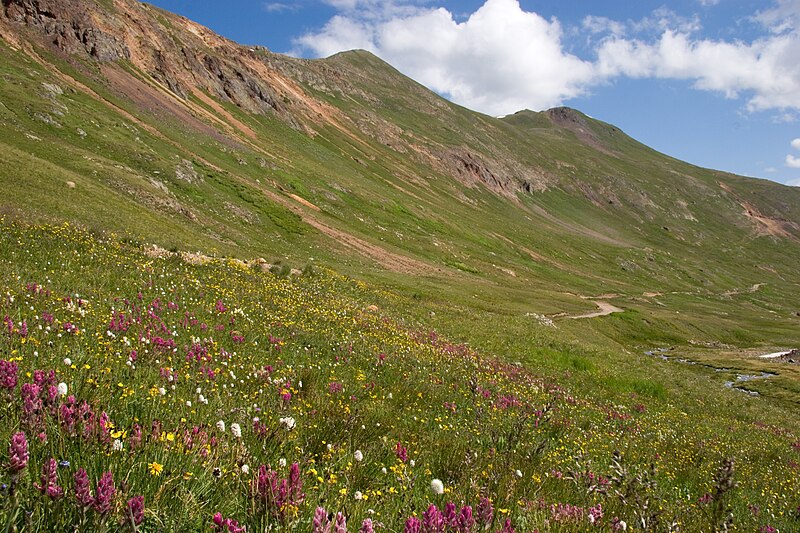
x=70 y=26
x=179 y=54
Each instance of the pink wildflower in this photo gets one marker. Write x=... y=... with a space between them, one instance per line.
x=49 y=485
x=465 y=520
x=401 y=452
x=320 y=523
x=83 y=494
x=8 y=374
x=105 y=493
x=413 y=525
x=226 y=524
x=433 y=520
x=507 y=528
x=340 y=525
x=366 y=526
x=485 y=512
x=135 y=510
x=18 y=453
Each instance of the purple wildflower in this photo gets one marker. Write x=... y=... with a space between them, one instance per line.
x=485 y=512
x=340 y=526
x=31 y=402
x=595 y=514
x=105 y=493
x=321 y=524
x=18 y=453
x=83 y=493
x=465 y=520
x=226 y=524
x=413 y=525
x=449 y=514
x=433 y=520
x=135 y=510
x=366 y=526
x=401 y=452
x=49 y=485
x=8 y=374
x=507 y=528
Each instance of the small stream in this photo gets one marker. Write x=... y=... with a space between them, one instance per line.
x=748 y=377
x=661 y=353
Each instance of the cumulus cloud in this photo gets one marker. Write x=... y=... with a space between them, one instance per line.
x=502 y=58
x=795 y=144
x=792 y=161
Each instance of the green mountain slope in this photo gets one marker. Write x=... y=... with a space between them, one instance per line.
x=126 y=118
x=274 y=288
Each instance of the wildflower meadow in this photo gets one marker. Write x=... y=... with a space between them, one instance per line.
x=156 y=394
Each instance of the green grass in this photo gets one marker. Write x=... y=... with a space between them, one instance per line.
x=352 y=379
x=624 y=220
x=400 y=383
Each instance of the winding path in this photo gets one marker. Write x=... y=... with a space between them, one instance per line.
x=605 y=309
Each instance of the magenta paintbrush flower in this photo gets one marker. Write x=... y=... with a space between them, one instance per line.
x=320 y=523
x=18 y=453
x=366 y=526
x=104 y=497
x=49 y=484
x=8 y=374
x=136 y=510
x=83 y=493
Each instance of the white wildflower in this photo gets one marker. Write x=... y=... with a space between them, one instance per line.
x=437 y=486
x=221 y=425
x=236 y=430
x=358 y=456
x=62 y=389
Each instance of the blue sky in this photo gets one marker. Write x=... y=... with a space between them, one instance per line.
x=712 y=82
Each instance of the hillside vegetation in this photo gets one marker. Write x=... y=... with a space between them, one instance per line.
x=272 y=285
x=208 y=386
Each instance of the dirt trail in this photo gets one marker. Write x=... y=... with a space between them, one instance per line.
x=605 y=308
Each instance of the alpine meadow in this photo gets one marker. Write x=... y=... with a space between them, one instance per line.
x=242 y=291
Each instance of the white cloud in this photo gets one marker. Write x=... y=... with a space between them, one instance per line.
x=783 y=17
x=767 y=70
x=793 y=182
x=795 y=144
x=792 y=161
x=594 y=25
x=279 y=7
x=501 y=58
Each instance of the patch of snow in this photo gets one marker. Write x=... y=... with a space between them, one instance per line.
x=774 y=355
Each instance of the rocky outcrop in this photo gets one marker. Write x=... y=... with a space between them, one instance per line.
x=180 y=55
x=69 y=25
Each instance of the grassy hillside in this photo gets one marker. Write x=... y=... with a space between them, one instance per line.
x=183 y=376
x=531 y=293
